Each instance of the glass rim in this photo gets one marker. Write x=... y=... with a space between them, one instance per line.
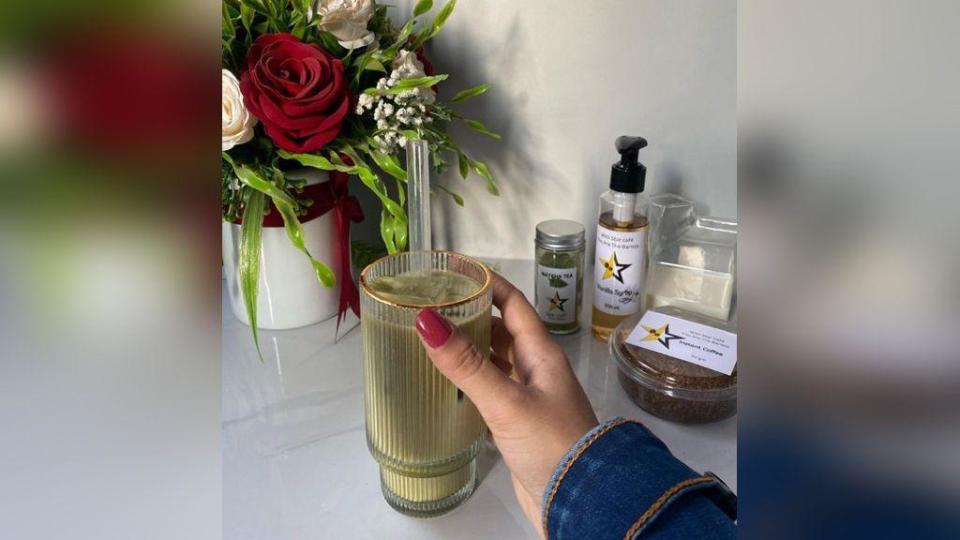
x=484 y=287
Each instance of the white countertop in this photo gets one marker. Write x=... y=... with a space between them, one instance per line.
x=295 y=460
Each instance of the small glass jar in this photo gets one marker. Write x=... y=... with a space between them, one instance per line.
x=559 y=274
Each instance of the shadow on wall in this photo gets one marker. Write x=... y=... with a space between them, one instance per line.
x=670 y=180
x=515 y=161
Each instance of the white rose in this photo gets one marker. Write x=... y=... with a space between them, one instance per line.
x=407 y=66
x=347 y=21
x=236 y=122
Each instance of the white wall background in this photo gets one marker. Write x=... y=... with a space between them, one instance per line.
x=568 y=78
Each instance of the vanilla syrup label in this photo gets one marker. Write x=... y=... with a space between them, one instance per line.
x=620 y=269
x=556 y=294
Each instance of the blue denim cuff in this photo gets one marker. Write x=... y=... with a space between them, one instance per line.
x=562 y=466
x=619 y=478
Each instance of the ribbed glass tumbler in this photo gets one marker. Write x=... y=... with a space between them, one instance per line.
x=422 y=431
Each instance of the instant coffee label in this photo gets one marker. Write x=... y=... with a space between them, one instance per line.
x=692 y=342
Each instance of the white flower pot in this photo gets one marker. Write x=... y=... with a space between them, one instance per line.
x=289 y=295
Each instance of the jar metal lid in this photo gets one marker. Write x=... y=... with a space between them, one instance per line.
x=560 y=234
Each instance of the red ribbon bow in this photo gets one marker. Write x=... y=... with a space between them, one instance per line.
x=333 y=195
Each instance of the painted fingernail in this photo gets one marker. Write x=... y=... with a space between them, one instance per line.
x=433 y=328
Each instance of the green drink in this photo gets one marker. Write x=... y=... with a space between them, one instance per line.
x=421 y=429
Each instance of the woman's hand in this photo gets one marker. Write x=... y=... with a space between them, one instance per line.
x=526 y=391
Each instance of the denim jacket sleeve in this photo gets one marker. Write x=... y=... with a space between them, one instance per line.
x=620 y=481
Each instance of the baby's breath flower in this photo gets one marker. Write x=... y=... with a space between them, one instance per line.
x=394 y=112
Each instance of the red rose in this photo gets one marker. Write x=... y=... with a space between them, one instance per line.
x=297 y=91
x=422 y=57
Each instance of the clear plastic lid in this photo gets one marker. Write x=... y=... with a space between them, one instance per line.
x=693 y=266
x=666 y=374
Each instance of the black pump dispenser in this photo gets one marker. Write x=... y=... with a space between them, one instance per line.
x=628 y=174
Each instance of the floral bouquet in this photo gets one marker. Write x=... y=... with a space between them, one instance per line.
x=333 y=85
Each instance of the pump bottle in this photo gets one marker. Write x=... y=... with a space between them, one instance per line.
x=621 y=250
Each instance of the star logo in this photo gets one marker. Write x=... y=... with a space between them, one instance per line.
x=556 y=302
x=661 y=334
x=613 y=268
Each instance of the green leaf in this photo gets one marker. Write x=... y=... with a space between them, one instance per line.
x=299 y=31
x=400 y=232
x=317 y=162
x=404 y=34
x=409 y=84
x=456 y=197
x=330 y=44
x=248 y=265
x=397 y=226
x=252 y=179
x=480 y=128
x=276 y=7
x=442 y=17
x=372 y=181
x=374 y=65
x=393 y=220
x=335 y=158
x=464 y=95
x=247 y=14
x=418 y=82
x=362 y=61
x=364 y=253
x=287 y=207
x=401 y=195
x=255 y=5
x=303 y=6
x=227 y=31
x=389 y=164
x=464 y=164
x=386 y=231
x=422 y=7
x=481 y=169
x=438 y=23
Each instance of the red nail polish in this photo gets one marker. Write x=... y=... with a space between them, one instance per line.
x=433 y=328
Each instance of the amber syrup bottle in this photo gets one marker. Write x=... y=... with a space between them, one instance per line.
x=621 y=254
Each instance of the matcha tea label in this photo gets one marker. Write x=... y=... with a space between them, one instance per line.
x=556 y=294
x=620 y=268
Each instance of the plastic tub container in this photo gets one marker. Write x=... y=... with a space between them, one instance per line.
x=669 y=388
x=694 y=268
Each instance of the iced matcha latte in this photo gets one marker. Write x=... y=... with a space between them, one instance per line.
x=421 y=429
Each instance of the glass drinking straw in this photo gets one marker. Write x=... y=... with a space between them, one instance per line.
x=418 y=194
